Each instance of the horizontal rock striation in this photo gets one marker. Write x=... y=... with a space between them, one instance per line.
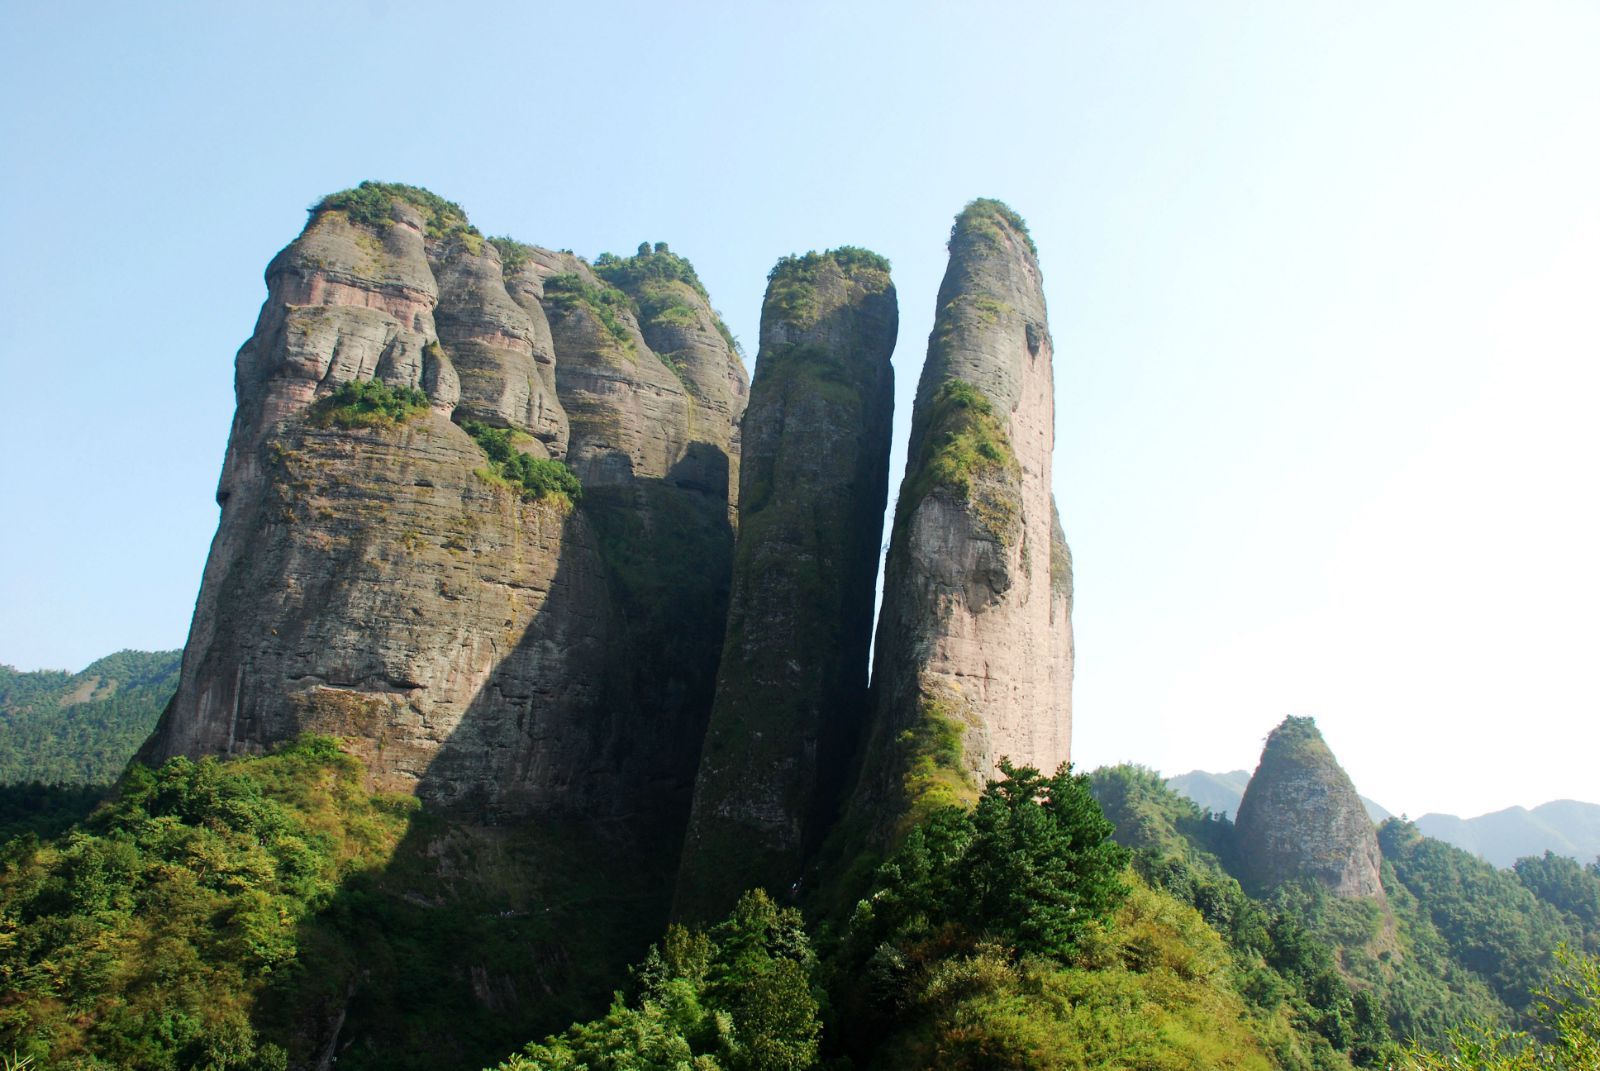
x=792 y=685
x=1301 y=819
x=496 y=652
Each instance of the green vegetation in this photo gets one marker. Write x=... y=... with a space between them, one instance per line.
x=79 y=729
x=143 y=939
x=740 y=997
x=963 y=449
x=513 y=254
x=367 y=403
x=792 y=282
x=371 y=204
x=1570 y=888
x=657 y=280
x=568 y=291
x=536 y=478
x=1568 y=1011
x=1492 y=923
x=983 y=218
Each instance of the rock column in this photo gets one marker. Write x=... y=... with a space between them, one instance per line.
x=792 y=686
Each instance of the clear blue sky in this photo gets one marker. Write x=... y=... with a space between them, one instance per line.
x=1323 y=282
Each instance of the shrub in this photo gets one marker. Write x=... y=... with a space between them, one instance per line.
x=367 y=403
x=372 y=204
x=568 y=290
x=535 y=477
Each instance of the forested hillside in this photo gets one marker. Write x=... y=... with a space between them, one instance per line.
x=59 y=728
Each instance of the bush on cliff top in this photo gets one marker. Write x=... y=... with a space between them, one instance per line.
x=982 y=217
x=568 y=290
x=371 y=204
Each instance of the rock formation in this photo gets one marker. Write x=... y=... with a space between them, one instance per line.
x=974 y=648
x=1301 y=818
x=792 y=685
x=495 y=654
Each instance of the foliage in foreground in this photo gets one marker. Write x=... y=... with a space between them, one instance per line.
x=1569 y=1010
x=737 y=998
x=143 y=939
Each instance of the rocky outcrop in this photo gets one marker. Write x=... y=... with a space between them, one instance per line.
x=792 y=685
x=974 y=647
x=1301 y=819
x=495 y=653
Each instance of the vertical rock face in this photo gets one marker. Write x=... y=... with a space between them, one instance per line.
x=974 y=649
x=792 y=685
x=474 y=646
x=1302 y=819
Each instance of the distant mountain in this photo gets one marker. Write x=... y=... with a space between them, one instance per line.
x=1221 y=792
x=81 y=728
x=1565 y=827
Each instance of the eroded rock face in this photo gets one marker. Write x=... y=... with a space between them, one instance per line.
x=1301 y=818
x=974 y=649
x=497 y=656
x=792 y=686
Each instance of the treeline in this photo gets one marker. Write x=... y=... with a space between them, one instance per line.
x=60 y=728
x=228 y=914
x=1457 y=940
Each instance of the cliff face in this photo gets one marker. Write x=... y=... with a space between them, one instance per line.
x=974 y=649
x=474 y=644
x=1302 y=819
x=792 y=685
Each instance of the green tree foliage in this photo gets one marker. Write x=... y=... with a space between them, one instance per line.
x=569 y=290
x=662 y=285
x=1569 y=1012
x=371 y=204
x=1354 y=975
x=77 y=729
x=1567 y=886
x=535 y=477
x=1492 y=923
x=143 y=939
x=368 y=403
x=1011 y=935
x=739 y=997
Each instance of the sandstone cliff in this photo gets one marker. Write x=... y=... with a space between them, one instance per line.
x=1302 y=819
x=495 y=652
x=974 y=647
x=792 y=685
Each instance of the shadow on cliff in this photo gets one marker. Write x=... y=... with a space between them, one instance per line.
x=542 y=860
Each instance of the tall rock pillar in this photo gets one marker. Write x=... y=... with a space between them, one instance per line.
x=974 y=650
x=792 y=686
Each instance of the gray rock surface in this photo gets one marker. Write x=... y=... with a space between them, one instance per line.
x=792 y=686
x=1301 y=819
x=497 y=656
x=974 y=650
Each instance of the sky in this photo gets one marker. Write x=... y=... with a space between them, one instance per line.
x=1322 y=282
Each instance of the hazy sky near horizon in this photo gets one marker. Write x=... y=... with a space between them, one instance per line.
x=1324 y=283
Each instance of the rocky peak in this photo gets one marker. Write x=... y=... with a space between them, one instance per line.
x=379 y=576
x=974 y=650
x=792 y=686
x=1302 y=819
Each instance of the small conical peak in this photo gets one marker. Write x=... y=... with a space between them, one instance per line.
x=1301 y=818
